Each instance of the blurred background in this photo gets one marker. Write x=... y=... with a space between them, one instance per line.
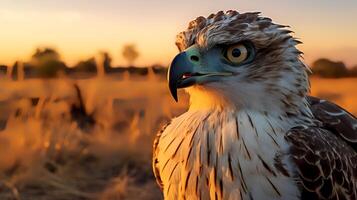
x=83 y=86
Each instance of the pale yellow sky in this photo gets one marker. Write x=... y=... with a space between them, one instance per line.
x=82 y=28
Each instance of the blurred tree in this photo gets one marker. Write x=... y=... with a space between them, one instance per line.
x=47 y=62
x=107 y=61
x=103 y=62
x=46 y=53
x=329 y=69
x=88 y=65
x=130 y=53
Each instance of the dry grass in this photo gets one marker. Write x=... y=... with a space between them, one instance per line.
x=49 y=151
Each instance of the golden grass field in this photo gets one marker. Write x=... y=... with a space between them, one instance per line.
x=50 y=150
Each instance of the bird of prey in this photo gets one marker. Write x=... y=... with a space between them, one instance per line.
x=251 y=131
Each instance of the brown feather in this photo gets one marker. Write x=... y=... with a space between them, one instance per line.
x=314 y=171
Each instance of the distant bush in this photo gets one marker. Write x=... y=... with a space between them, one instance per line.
x=329 y=69
x=88 y=65
x=353 y=71
x=3 y=69
x=159 y=69
x=106 y=61
x=50 y=68
x=47 y=62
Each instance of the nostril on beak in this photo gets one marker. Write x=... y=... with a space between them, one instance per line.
x=194 y=58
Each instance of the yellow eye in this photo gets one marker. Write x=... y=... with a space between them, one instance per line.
x=237 y=53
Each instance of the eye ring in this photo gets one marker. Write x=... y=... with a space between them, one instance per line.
x=237 y=53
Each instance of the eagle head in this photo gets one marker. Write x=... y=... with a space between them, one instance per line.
x=242 y=59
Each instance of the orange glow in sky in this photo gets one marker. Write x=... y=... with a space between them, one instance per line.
x=80 y=29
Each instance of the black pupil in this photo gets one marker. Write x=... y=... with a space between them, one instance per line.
x=236 y=53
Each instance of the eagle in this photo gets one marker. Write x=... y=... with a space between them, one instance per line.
x=251 y=131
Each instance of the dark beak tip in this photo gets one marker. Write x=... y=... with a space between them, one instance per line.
x=173 y=91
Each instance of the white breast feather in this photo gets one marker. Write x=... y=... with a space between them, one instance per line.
x=184 y=159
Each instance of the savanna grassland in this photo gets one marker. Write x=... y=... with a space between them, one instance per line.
x=91 y=138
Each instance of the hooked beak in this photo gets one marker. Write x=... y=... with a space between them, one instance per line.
x=184 y=71
x=180 y=69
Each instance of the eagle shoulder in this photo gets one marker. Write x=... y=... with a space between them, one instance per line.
x=155 y=153
x=326 y=166
x=335 y=119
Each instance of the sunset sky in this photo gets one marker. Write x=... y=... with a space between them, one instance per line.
x=79 y=29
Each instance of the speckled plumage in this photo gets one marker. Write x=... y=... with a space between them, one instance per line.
x=255 y=135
